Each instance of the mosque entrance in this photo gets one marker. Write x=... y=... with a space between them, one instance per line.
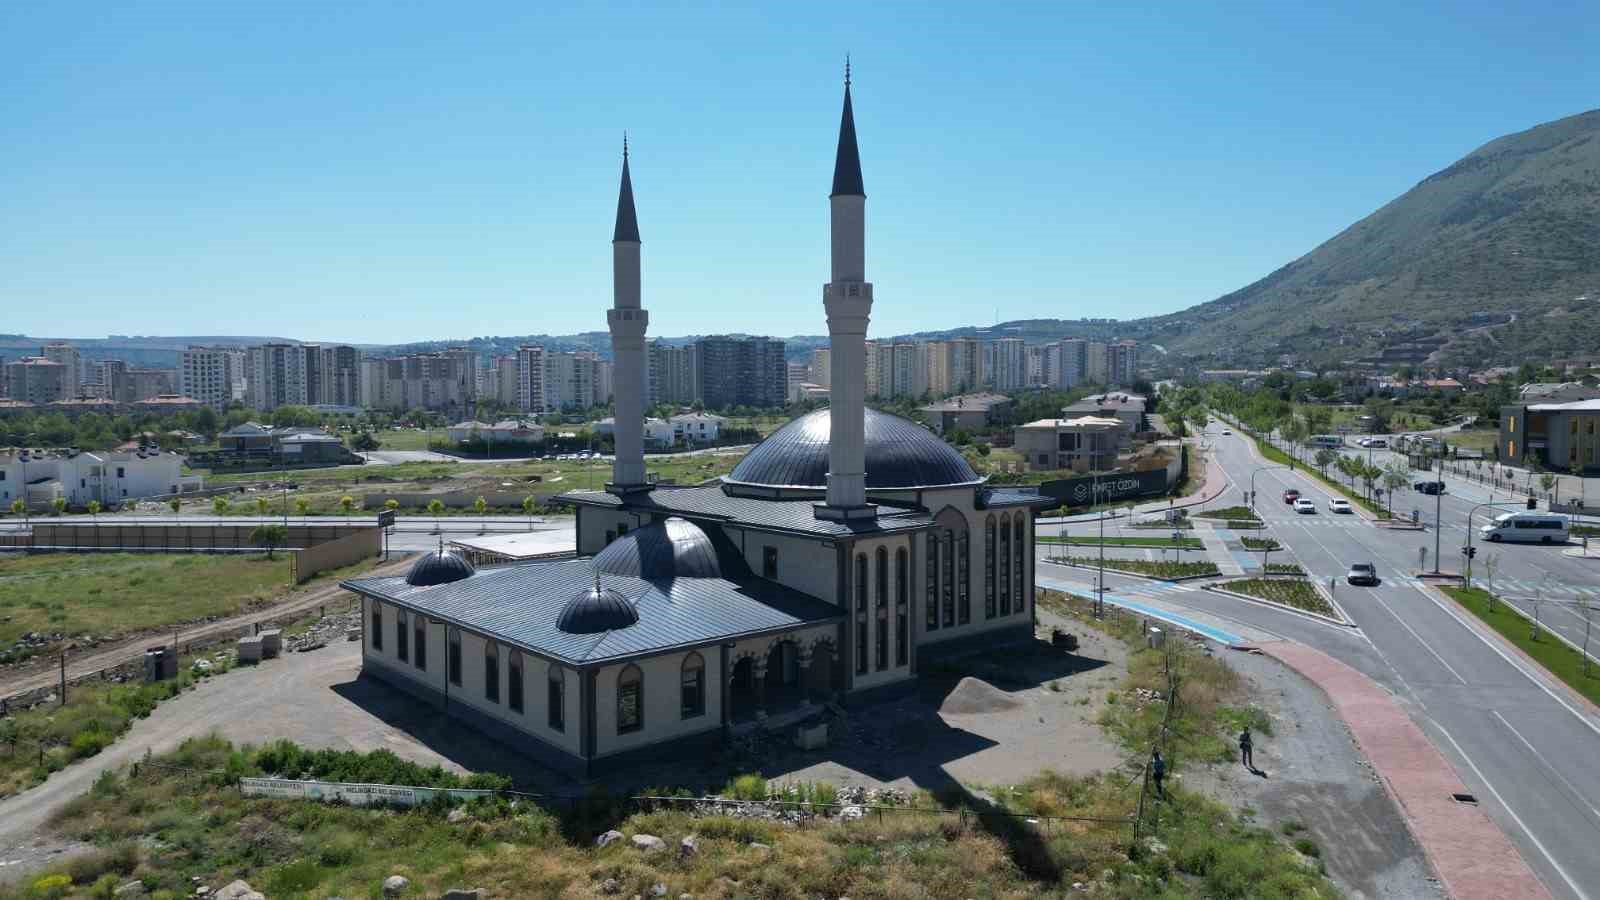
x=783 y=680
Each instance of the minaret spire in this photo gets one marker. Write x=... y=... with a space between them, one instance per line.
x=627 y=320
x=847 y=298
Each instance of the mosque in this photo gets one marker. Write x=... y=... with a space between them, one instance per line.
x=842 y=553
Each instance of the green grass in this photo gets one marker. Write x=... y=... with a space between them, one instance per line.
x=1254 y=543
x=1285 y=569
x=1299 y=594
x=47 y=738
x=1232 y=514
x=1187 y=543
x=1147 y=567
x=116 y=593
x=1562 y=661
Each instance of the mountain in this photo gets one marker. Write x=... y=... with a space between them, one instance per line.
x=1494 y=258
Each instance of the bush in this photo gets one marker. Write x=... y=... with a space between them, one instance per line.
x=88 y=868
x=747 y=787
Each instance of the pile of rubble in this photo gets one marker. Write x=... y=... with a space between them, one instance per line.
x=326 y=630
x=1142 y=696
x=32 y=643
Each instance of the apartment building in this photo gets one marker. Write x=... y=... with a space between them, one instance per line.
x=277 y=376
x=206 y=374
x=820 y=371
x=737 y=371
x=69 y=357
x=674 y=375
x=1007 y=367
x=1122 y=363
x=530 y=379
x=37 y=380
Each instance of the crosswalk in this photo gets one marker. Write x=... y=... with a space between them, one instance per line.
x=1524 y=587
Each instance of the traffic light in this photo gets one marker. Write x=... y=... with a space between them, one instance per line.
x=1532 y=503
x=1471 y=552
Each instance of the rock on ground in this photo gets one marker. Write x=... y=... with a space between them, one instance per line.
x=648 y=842
x=395 y=885
x=238 y=890
x=607 y=839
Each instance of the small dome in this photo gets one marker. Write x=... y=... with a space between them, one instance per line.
x=438 y=567
x=899 y=454
x=675 y=548
x=595 y=610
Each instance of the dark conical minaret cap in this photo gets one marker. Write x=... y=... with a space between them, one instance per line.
x=627 y=221
x=847 y=163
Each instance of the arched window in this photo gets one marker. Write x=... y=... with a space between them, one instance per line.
x=988 y=568
x=964 y=578
x=491 y=671
x=514 y=681
x=948 y=597
x=932 y=582
x=693 y=700
x=454 y=663
x=861 y=613
x=419 y=628
x=630 y=700
x=1019 y=547
x=555 y=699
x=902 y=598
x=1005 y=565
x=400 y=636
x=377 y=625
x=881 y=626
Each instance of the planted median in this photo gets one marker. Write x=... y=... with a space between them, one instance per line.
x=1557 y=657
x=1295 y=593
x=1187 y=543
x=1153 y=569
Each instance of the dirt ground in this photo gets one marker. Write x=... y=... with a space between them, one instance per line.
x=1312 y=773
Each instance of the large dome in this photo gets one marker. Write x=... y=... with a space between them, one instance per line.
x=900 y=454
x=675 y=548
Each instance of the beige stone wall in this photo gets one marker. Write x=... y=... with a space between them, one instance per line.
x=348 y=550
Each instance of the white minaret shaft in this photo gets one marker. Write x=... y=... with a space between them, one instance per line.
x=627 y=320
x=848 y=301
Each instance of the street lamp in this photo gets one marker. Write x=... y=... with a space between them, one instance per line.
x=1253 y=482
x=1438 y=527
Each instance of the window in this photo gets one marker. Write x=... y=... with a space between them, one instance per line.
x=932 y=579
x=419 y=626
x=861 y=614
x=1511 y=425
x=491 y=671
x=455 y=657
x=630 y=700
x=1005 y=567
x=692 y=700
x=948 y=554
x=1018 y=548
x=514 y=681
x=622 y=529
x=400 y=634
x=964 y=579
x=769 y=562
x=902 y=598
x=555 y=697
x=377 y=625
x=122 y=473
x=881 y=626
x=988 y=568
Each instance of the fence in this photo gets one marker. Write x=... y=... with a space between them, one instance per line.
x=173 y=537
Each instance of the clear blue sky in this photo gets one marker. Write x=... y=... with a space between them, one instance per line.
x=387 y=172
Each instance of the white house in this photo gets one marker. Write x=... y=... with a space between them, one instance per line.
x=657 y=432
x=506 y=431
x=109 y=476
x=696 y=428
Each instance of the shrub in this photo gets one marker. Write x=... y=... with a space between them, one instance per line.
x=119 y=860
x=1308 y=847
x=293 y=878
x=747 y=787
x=88 y=743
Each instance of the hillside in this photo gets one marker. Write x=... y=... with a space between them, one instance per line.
x=1493 y=258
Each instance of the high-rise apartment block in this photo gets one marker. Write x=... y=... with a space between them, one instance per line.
x=821 y=373
x=206 y=374
x=72 y=362
x=37 y=380
x=674 y=373
x=737 y=371
x=277 y=376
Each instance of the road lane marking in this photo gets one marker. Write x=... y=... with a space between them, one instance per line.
x=1540 y=756
x=1571 y=885
x=1425 y=645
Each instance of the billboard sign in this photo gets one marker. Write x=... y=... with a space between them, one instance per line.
x=1107 y=488
x=351 y=794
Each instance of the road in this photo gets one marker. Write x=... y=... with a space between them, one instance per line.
x=1519 y=740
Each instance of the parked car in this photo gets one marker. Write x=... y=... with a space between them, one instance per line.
x=1429 y=487
x=1340 y=505
x=1228 y=432
x=1304 y=506
x=1362 y=573
x=1291 y=495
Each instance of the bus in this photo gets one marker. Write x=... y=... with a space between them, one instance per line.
x=1328 y=441
x=1526 y=528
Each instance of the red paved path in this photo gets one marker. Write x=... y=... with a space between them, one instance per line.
x=1470 y=853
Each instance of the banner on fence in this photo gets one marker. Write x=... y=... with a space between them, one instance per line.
x=352 y=794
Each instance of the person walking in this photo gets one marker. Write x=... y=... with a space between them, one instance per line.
x=1246 y=745
x=1158 y=772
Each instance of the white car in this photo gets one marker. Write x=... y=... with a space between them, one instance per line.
x=1304 y=506
x=1340 y=505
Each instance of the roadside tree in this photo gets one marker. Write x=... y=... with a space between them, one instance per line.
x=269 y=537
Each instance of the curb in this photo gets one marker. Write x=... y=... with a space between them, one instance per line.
x=1327 y=620
x=1125 y=574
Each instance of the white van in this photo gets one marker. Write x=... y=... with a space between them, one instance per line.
x=1526 y=528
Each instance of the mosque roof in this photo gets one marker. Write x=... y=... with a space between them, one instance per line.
x=899 y=454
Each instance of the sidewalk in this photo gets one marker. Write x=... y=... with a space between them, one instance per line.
x=1217 y=549
x=1469 y=853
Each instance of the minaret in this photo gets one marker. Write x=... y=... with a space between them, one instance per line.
x=848 y=301
x=627 y=320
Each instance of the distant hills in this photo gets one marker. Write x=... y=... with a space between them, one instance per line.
x=1495 y=258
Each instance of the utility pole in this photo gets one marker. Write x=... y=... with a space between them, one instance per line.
x=1438 y=522
x=63 y=678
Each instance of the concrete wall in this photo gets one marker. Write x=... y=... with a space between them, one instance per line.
x=662 y=700
x=364 y=544
x=1021 y=595
x=113 y=535
x=894 y=671
x=808 y=566
x=455 y=499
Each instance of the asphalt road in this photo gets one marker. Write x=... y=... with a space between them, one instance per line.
x=1524 y=747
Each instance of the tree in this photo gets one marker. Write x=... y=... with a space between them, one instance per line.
x=479 y=505
x=270 y=537
x=1370 y=474
x=219 y=505
x=1546 y=481
x=528 y=504
x=174 y=504
x=94 y=511
x=59 y=504
x=391 y=504
x=1395 y=475
x=1324 y=458
x=436 y=509
x=18 y=507
x=262 y=505
x=302 y=507
x=347 y=503
x=365 y=442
